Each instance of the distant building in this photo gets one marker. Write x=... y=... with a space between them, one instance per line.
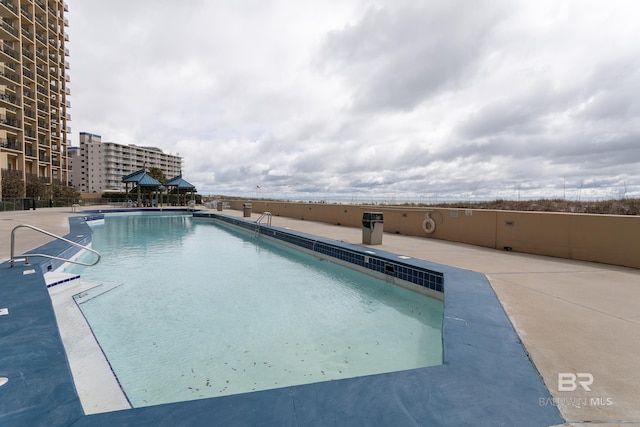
x=34 y=91
x=98 y=166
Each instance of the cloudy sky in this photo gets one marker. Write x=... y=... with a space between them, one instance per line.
x=369 y=99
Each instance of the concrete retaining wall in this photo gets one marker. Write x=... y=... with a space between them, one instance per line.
x=610 y=239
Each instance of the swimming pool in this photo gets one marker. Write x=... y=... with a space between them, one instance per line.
x=199 y=310
x=486 y=379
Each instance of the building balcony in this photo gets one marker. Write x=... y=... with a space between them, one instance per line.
x=26 y=13
x=10 y=121
x=40 y=20
x=8 y=4
x=42 y=90
x=9 y=51
x=28 y=74
x=41 y=53
x=11 y=99
x=27 y=54
x=26 y=33
x=10 y=29
x=11 y=144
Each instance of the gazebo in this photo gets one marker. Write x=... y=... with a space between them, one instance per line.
x=181 y=186
x=141 y=180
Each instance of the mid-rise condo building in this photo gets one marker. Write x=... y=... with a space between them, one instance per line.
x=99 y=166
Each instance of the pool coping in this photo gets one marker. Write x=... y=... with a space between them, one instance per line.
x=487 y=377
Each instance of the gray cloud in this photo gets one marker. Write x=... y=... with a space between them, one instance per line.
x=359 y=99
x=398 y=55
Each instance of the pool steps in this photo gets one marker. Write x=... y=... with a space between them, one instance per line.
x=95 y=291
x=58 y=278
x=90 y=289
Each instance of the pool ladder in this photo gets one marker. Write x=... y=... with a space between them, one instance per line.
x=264 y=215
x=26 y=256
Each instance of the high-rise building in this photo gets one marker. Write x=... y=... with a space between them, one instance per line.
x=99 y=166
x=34 y=92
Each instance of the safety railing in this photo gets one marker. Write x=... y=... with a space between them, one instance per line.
x=26 y=256
x=263 y=216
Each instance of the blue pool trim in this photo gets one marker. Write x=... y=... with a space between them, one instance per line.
x=412 y=270
x=61 y=281
x=486 y=379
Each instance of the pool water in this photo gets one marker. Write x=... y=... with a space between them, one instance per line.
x=204 y=311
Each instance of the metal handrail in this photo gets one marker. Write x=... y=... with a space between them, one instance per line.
x=264 y=214
x=260 y=218
x=26 y=256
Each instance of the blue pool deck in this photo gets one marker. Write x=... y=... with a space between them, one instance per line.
x=487 y=377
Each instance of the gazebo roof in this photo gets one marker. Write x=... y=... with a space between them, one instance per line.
x=181 y=183
x=142 y=179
